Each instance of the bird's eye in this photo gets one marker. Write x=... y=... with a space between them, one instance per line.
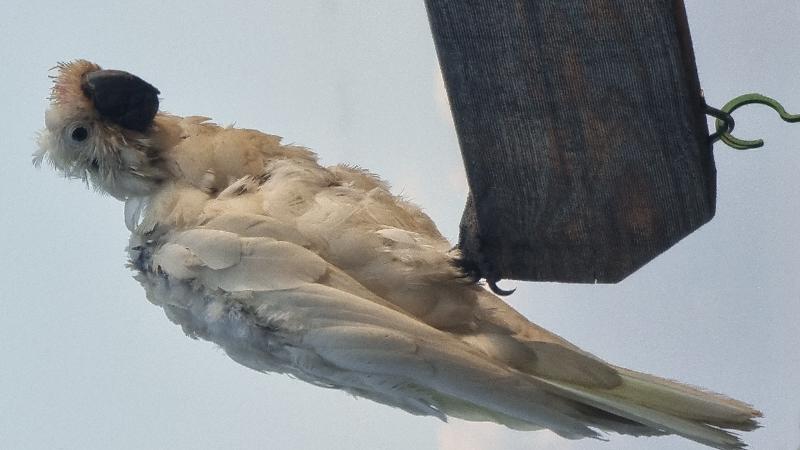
x=79 y=134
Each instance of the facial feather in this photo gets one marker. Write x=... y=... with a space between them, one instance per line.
x=82 y=143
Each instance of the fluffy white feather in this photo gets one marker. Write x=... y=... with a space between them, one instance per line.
x=322 y=273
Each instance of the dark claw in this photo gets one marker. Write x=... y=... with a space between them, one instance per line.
x=497 y=290
x=122 y=98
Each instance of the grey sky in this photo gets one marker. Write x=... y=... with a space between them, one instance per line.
x=88 y=363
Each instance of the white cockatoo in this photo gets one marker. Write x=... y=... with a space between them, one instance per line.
x=322 y=273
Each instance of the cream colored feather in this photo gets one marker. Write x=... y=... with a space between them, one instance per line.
x=324 y=274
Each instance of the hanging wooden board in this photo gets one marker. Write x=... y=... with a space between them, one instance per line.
x=582 y=129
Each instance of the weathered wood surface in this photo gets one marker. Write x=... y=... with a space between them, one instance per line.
x=582 y=131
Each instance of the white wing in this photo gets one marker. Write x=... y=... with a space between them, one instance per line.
x=274 y=305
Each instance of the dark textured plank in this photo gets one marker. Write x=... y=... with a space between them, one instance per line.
x=582 y=131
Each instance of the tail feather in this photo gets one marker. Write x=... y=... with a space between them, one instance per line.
x=669 y=407
x=688 y=401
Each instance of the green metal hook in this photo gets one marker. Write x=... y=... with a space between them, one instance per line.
x=724 y=129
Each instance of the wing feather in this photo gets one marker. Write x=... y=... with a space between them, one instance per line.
x=217 y=249
x=267 y=265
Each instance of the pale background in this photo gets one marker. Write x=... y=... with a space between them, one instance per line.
x=87 y=363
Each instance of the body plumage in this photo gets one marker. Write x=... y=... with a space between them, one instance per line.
x=324 y=274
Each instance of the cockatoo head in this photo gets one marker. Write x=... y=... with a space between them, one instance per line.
x=100 y=128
